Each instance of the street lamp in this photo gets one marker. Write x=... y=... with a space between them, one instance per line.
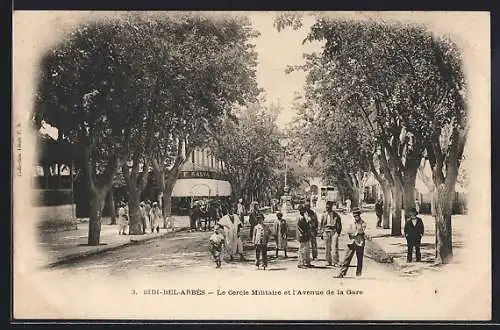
x=285 y=198
x=284 y=143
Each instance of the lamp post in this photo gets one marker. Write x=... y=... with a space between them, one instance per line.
x=285 y=198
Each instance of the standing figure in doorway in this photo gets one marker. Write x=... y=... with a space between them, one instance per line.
x=414 y=230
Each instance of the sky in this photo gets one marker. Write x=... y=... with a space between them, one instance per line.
x=276 y=50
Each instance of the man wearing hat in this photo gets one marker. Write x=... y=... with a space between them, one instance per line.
x=414 y=230
x=312 y=219
x=330 y=229
x=280 y=233
x=357 y=235
x=304 y=238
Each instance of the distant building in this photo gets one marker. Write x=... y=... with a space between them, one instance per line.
x=201 y=177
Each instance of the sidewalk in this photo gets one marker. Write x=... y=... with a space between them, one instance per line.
x=396 y=249
x=68 y=246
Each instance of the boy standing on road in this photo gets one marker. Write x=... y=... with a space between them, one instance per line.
x=330 y=229
x=281 y=233
x=260 y=240
x=216 y=243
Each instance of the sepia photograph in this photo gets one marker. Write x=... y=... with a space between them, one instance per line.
x=265 y=165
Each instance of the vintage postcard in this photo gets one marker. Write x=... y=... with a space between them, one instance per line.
x=251 y=165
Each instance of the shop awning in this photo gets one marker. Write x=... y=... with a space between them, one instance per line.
x=201 y=188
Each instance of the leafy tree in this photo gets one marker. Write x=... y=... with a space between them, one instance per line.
x=87 y=90
x=407 y=86
x=209 y=68
x=249 y=147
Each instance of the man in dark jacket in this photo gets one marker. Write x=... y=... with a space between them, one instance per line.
x=312 y=219
x=414 y=230
x=304 y=238
x=379 y=210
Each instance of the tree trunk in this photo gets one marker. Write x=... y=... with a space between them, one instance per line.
x=409 y=180
x=167 y=197
x=135 y=224
x=387 y=206
x=112 y=209
x=396 y=201
x=97 y=199
x=355 y=193
x=443 y=199
x=409 y=193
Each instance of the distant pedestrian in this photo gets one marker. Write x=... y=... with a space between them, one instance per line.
x=147 y=209
x=356 y=233
x=304 y=238
x=260 y=240
x=330 y=229
x=144 y=216
x=281 y=234
x=216 y=243
x=379 y=211
x=123 y=219
x=194 y=216
x=414 y=230
x=348 y=205
x=156 y=217
x=241 y=211
x=417 y=205
x=232 y=226
x=254 y=214
x=312 y=220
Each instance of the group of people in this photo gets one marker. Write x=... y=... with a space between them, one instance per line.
x=227 y=236
x=227 y=239
x=150 y=213
x=205 y=213
x=330 y=229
